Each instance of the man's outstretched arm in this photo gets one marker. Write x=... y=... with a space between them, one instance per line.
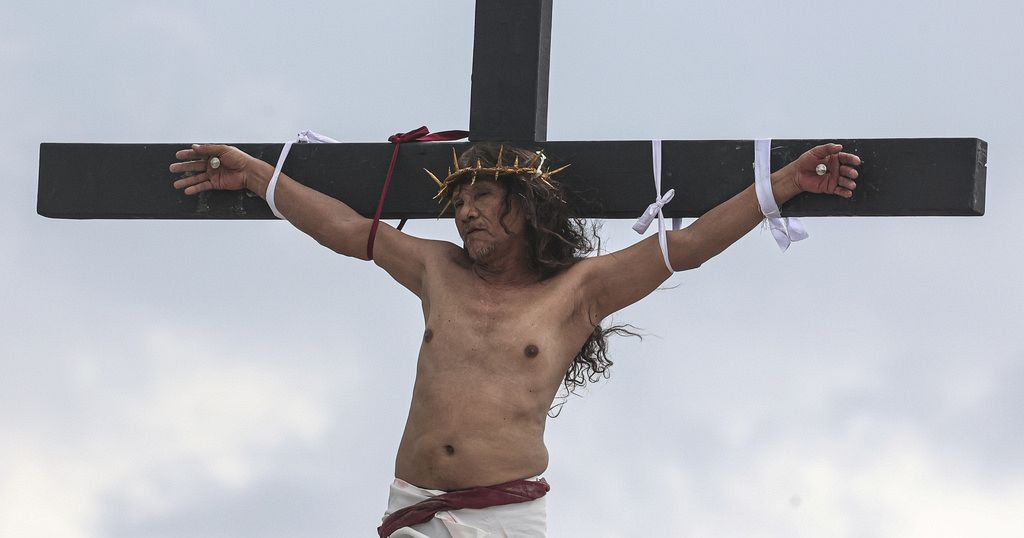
x=329 y=221
x=619 y=279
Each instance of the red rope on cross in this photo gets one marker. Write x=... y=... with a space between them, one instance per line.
x=418 y=135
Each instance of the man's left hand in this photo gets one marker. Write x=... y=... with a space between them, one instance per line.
x=839 y=171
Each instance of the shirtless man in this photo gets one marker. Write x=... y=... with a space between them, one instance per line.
x=502 y=330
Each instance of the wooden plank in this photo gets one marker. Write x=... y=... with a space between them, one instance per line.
x=899 y=177
x=511 y=59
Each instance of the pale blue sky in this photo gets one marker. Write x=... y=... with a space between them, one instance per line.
x=224 y=379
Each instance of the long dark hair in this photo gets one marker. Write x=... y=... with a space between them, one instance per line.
x=557 y=238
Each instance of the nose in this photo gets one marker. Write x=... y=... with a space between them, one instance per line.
x=467 y=211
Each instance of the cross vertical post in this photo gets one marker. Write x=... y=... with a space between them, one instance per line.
x=511 y=60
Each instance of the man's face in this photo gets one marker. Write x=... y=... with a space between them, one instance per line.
x=478 y=209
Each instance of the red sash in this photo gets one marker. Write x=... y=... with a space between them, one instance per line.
x=423 y=135
x=517 y=491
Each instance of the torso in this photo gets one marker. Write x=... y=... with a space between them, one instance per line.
x=491 y=361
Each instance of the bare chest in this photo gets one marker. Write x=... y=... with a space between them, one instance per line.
x=502 y=330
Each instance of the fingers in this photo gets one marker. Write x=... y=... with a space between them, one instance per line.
x=200 y=151
x=841 y=185
x=825 y=150
x=850 y=159
x=839 y=166
x=209 y=150
x=847 y=175
x=190 y=181
x=186 y=155
x=188 y=166
x=195 y=159
x=196 y=189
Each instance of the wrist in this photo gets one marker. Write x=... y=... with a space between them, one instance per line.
x=784 y=185
x=257 y=176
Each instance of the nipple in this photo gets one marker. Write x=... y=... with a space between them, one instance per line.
x=531 y=351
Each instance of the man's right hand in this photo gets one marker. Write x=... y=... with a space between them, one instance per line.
x=230 y=175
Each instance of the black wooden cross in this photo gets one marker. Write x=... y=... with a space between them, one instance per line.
x=944 y=176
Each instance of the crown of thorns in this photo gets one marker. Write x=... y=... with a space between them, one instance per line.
x=531 y=171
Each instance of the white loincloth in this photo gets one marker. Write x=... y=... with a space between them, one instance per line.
x=519 y=520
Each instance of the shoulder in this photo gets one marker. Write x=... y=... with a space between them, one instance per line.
x=409 y=259
x=612 y=281
x=393 y=243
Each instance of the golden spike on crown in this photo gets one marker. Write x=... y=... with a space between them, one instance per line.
x=497 y=167
x=530 y=171
x=445 y=208
x=557 y=170
x=432 y=176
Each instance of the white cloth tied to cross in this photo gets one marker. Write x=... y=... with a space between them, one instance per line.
x=647 y=217
x=655 y=209
x=785 y=229
x=305 y=137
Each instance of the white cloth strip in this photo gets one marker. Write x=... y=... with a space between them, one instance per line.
x=517 y=519
x=540 y=165
x=654 y=210
x=305 y=137
x=273 y=179
x=785 y=229
x=315 y=138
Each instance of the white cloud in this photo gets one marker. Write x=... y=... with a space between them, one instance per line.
x=876 y=477
x=880 y=479
x=201 y=417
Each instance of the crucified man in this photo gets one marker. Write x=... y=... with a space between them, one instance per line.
x=510 y=316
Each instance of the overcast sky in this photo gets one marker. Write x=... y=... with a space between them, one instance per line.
x=235 y=379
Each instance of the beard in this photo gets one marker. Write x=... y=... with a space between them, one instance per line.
x=478 y=252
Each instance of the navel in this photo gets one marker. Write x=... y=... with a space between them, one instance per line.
x=428 y=335
x=531 y=351
x=449 y=449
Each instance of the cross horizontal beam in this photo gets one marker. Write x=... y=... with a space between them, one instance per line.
x=899 y=177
